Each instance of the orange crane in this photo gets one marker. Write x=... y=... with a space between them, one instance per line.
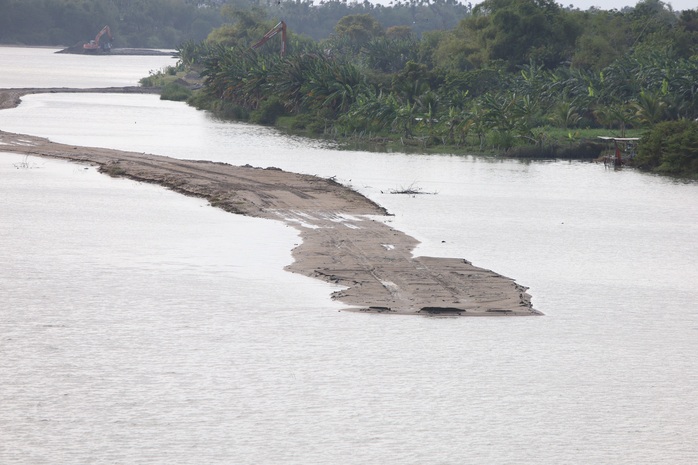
x=281 y=27
x=95 y=45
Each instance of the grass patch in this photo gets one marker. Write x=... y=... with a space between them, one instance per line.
x=113 y=170
x=175 y=91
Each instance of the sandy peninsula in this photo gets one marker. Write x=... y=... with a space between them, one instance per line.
x=10 y=98
x=344 y=239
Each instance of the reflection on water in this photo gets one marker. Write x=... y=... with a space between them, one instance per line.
x=139 y=326
x=42 y=67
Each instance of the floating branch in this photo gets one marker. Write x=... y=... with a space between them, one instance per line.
x=411 y=190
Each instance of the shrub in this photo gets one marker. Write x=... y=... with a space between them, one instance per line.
x=159 y=78
x=175 y=91
x=670 y=147
x=267 y=113
x=501 y=140
x=228 y=110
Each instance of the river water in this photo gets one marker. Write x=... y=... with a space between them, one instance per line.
x=141 y=326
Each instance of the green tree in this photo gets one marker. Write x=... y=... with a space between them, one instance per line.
x=670 y=147
x=517 y=31
x=359 y=28
x=565 y=115
x=650 y=108
x=243 y=27
x=389 y=55
x=604 y=37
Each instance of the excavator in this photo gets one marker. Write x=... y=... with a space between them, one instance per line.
x=281 y=27
x=105 y=46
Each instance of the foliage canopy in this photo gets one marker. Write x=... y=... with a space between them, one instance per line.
x=506 y=75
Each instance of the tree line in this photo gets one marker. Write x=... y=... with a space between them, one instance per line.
x=168 y=23
x=526 y=77
x=134 y=23
x=521 y=76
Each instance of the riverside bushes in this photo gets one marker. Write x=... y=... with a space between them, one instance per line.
x=670 y=147
x=453 y=92
x=175 y=91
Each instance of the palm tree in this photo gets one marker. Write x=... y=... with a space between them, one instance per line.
x=565 y=115
x=622 y=114
x=480 y=124
x=428 y=106
x=372 y=111
x=457 y=122
x=288 y=79
x=389 y=55
x=331 y=86
x=526 y=111
x=650 y=108
x=405 y=118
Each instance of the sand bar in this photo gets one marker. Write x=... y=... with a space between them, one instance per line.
x=10 y=98
x=344 y=240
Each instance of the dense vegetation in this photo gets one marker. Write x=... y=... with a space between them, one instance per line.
x=167 y=23
x=525 y=77
x=134 y=23
x=670 y=147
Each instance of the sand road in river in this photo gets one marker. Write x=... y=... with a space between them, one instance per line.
x=344 y=240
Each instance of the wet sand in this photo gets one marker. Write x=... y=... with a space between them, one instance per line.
x=344 y=239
